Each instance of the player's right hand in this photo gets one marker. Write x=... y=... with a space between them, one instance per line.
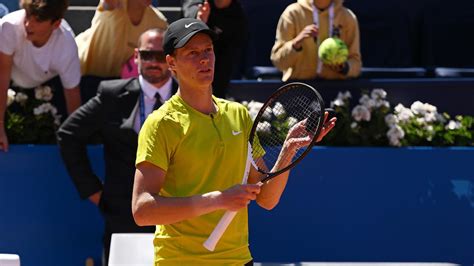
x=239 y=196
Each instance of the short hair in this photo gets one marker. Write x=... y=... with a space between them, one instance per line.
x=156 y=31
x=45 y=9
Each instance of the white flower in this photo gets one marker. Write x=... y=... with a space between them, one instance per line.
x=346 y=95
x=267 y=115
x=395 y=134
x=394 y=142
x=403 y=114
x=254 y=108
x=353 y=125
x=341 y=98
x=430 y=108
x=419 y=108
x=391 y=120
x=21 y=98
x=421 y=121
x=431 y=117
x=382 y=103
x=337 y=102
x=366 y=101
x=278 y=110
x=292 y=121
x=399 y=108
x=43 y=93
x=429 y=129
x=378 y=94
x=264 y=127
x=452 y=125
x=45 y=108
x=361 y=113
x=10 y=96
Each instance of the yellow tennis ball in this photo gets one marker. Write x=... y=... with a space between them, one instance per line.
x=333 y=51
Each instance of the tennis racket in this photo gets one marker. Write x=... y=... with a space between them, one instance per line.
x=292 y=116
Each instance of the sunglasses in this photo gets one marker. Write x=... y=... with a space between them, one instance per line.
x=150 y=55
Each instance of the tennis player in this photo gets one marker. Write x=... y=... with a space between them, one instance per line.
x=191 y=154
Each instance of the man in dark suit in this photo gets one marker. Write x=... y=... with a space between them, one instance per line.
x=116 y=114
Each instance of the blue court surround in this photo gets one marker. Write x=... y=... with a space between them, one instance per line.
x=341 y=204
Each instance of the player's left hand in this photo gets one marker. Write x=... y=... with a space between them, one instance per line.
x=328 y=125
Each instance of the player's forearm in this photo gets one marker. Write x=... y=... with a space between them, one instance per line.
x=152 y=209
x=272 y=190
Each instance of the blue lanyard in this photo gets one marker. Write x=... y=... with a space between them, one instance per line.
x=142 y=108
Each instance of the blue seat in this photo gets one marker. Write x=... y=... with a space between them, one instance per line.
x=264 y=72
x=393 y=72
x=447 y=72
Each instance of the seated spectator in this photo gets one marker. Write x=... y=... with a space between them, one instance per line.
x=227 y=19
x=301 y=29
x=109 y=43
x=35 y=49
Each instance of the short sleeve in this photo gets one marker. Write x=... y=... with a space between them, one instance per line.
x=156 y=142
x=257 y=149
x=8 y=39
x=70 y=72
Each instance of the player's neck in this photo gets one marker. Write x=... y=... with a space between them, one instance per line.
x=198 y=98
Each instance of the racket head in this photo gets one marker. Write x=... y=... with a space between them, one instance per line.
x=295 y=108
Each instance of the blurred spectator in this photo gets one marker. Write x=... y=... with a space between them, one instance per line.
x=35 y=48
x=301 y=29
x=116 y=114
x=109 y=43
x=227 y=19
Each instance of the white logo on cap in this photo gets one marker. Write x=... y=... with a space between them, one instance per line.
x=189 y=25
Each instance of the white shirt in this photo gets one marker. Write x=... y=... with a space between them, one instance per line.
x=32 y=66
x=149 y=92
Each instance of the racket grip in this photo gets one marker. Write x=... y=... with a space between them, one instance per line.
x=211 y=242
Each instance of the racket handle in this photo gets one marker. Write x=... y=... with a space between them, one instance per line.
x=211 y=242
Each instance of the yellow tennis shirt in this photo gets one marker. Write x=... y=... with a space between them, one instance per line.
x=200 y=153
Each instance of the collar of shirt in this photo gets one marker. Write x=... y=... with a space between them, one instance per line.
x=149 y=90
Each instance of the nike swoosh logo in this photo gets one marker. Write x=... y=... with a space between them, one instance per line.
x=235 y=133
x=189 y=25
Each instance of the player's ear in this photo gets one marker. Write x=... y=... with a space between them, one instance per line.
x=171 y=61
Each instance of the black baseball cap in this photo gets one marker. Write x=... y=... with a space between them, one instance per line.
x=181 y=31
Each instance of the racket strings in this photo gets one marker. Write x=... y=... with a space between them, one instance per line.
x=293 y=114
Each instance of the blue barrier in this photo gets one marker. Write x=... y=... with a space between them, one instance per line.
x=341 y=204
x=41 y=215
